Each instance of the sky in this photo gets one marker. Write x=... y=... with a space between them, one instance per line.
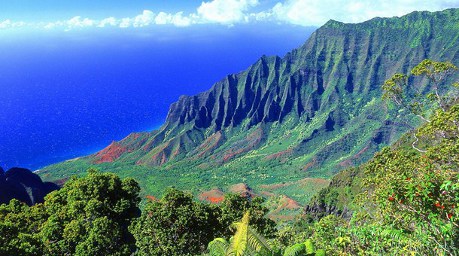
x=70 y=15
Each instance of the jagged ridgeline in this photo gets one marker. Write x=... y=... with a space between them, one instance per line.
x=284 y=120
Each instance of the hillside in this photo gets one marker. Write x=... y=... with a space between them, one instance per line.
x=400 y=202
x=307 y=115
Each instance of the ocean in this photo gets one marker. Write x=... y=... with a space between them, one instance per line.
x=69 y=94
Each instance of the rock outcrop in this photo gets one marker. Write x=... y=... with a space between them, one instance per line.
x=23 y=185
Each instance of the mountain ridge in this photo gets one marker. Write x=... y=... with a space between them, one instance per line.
x=315 y=111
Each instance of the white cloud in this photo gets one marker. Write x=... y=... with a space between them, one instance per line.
x=108 y=22
x=125 y=23
x=230 y=12
x=225 y=11
x=313 y=12
x=181 y=21
x=176 y=19
x=261 y=16
x=145 y=19
x=78 y=22
x=10 y=24
x=5 y=24
x=162 y=18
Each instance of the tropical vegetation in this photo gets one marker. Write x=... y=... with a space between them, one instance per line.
x=403 y=201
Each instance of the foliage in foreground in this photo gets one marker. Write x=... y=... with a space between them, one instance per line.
x=88 y=216
x=99 y=215
x=179 y=225
x=247 y=241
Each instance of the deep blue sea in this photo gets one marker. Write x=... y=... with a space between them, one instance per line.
x=68 y=94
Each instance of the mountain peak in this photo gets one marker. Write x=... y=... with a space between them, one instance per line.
x=310 y=113
x=333 y=24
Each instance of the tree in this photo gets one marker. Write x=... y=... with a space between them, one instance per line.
x=246 y=241
x=179 y=225
x=411 y=95
x=234 y=206
x=437 y=72
x=175 y=225
x=19 y=228
x=91 y=215
x=414 y=196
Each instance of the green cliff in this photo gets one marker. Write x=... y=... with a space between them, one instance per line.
x=285 y=124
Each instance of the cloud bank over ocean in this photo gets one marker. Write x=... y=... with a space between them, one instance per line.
x=231 y=12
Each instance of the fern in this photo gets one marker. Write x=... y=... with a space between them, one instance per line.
x=258 y=243
x=306 y=248
x=320 y=252
x=309 y=246
x=246 y=241
x=239 y=244
x=218 y=247
x=295 y=250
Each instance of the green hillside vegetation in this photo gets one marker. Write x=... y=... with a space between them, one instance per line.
x=310 y=114
x=404 y=201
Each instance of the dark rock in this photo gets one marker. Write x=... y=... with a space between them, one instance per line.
x=23 y=185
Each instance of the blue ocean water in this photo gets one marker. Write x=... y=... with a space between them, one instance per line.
x=64 y=95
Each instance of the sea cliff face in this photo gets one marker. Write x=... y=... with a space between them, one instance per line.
x=309 y=114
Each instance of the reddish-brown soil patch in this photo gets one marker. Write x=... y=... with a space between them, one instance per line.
x=211 y=143
x=306 y=181
x=242 y=189
x=310 y=165
x=267 y=194
x=349 y=162
x=133 y=136
x=233 y=153
x=161 y=157
x=291 y=204
x=288 y=203
x=152 y=198
x=110 y=153
x=282 y=155
x=285 y=203
x=214 y=196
